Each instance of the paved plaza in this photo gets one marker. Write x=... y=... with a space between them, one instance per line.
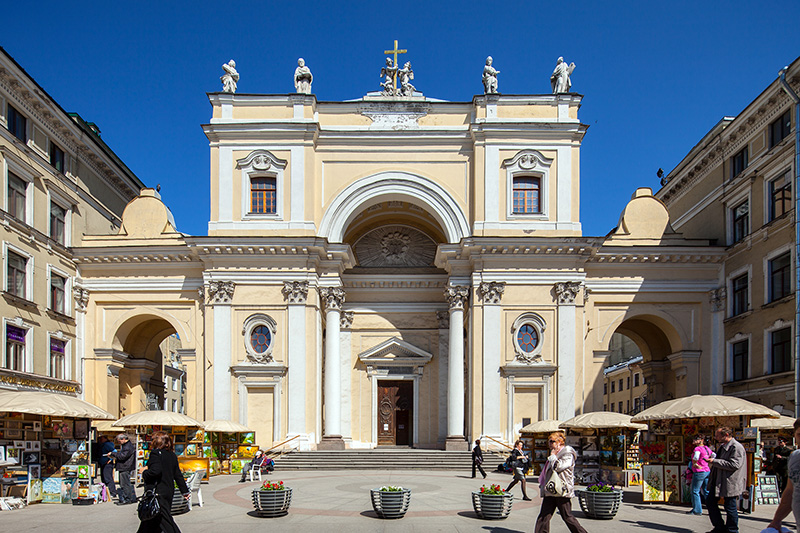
x=339 y=501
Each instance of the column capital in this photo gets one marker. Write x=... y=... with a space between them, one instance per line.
x=221 y=291
x=491 y=291
x=332 y=297
x=456 y=296
x=566 y=291
x=295 y=292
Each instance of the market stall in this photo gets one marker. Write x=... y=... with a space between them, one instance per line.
x=229 y=445
x=607 y=446
x=186 y=433
x=47 y=435
x=534 y=436
x=668 y=447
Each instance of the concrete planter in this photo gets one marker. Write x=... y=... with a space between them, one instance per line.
x=272 y=503
x=602 y=505
x=390 y=504
x=180 y=504
x=492 y=506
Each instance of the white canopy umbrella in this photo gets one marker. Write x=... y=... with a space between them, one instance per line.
x=542 y=426
x=699 y=406
x=602 y=420
x=50 y=404
x=225 y=426
x=157 y=418
x=784 y=422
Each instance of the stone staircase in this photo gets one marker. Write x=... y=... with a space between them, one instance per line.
x=398 y=458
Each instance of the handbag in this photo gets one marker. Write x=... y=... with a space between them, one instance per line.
x=555 y=487
x=149 y=507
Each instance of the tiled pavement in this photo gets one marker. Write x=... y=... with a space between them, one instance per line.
x=339 y=501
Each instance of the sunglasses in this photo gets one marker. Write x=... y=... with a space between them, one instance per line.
x=554 y=442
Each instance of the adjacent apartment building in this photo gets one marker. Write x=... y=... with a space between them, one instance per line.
x=735 y=187
x=58 y=182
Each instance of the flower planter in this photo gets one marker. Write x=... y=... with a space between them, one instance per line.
x=390 y=504
x=602 y=505
x=180 y=504
x=272 y=503
x=492 y=506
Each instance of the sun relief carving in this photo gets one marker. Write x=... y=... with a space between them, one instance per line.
x=395 y=246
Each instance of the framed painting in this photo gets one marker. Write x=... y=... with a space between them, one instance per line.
x=191 y=450
x=653 y=483
x=672 y=484
x=686 y=485
x=81 y=429
x=674 y=449
x=250 y=438
x=634 y=478
x=661 y=427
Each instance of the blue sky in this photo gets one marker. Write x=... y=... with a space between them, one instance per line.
x=655 y=76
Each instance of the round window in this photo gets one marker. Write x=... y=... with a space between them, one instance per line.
x=260 y=339
x=527 y=338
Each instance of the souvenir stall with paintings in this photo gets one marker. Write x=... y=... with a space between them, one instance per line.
x=607 y=445
x=47 y=436
x=667 y=450
x=534 y=436
x=229 y=446
x=186 y=433
x=770 y=430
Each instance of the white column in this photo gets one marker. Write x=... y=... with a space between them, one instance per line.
x=296 y=293
x=345 y=366
x=444 y=375
x=566 y=293
x=333 y=298
x=492 y=314
x=457 y=297
x=221 y=294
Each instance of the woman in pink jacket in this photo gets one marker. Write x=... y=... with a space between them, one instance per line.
x=562 y=461
x=700 y=471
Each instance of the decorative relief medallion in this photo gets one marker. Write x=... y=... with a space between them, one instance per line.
x=295 y=292
x=81 y=297
x=456 y=296
x=395 y=246
x=221 y=291
x=491 y=291
x=566 y=291
x=332 y=297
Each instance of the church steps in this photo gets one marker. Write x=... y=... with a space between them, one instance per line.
x=385 y=459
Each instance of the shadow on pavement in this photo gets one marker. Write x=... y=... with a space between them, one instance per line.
x=498 y=529
x=652 y=526
x=370 y=514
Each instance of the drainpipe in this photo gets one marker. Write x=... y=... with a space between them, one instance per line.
x=796 y=189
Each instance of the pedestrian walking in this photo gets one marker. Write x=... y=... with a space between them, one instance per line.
x=520 y=463
x=790 y=500
x=162 y=474
x=561 y=461
x=477 y=458
x=727 y=480
x=700 y=470
x=107 y=464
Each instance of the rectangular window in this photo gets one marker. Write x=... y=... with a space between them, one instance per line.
x=174 y=384
x=779 y=277
x=605 y=388
x=636 y=379
x=57 y=157
x=627 y=406
x=174 y=406
x=739 y=359
x=58 y=220
x=739 y=162
x=17 y=124
x=57 y=293
x=628 y=383
x=781 y=350
x=779 y=129
x=612 y=386
x=620 y=384
x=741 y=221
x=57 y=369
x=780 y=195
x=740 y=300
x=527 y=195
x=17 y=267
x=636 y=404
x=611 y=407
x=15 y=348
x=263 y=196
x=16 y=197
x=605 y=407
x=620 y=407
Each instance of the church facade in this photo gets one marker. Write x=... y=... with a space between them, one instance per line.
x=394 y=271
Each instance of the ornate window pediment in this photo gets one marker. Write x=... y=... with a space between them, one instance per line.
x=394 y=353
x=262 y=185
x=527 y=185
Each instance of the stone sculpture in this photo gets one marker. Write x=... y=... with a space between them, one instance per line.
x=388 y=73
x=490 y=77
x=405 y=76
x=302 y=77
x=230 y=78
x=560 y=81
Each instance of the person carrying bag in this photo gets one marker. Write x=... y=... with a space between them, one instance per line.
x=556 y=486
x=160 y=476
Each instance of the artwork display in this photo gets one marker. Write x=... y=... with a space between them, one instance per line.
x=686 y=485
x=62 y=429
x=81 y=429
x=674 y=449
x=672 y=488
x=653 y=452
x=247 y=452
x=34 y=472
x=634 y=478
x=191 y=450
x=250 y=438
x=661 y=427
x=653 y=480
x=30 y=458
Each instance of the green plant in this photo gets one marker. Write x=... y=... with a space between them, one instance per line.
x=278 y=485
x=391 y=488
x=600 y=487
x=493 y=490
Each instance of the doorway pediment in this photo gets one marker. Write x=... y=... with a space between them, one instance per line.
x=395 y=352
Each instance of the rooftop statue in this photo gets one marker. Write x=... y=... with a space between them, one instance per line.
x=230 y=78
x=389 y=74
x=405 y=75
x=302 y=77
x=490 y=77
x=560 y=81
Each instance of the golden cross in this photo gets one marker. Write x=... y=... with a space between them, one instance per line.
x=395 y=52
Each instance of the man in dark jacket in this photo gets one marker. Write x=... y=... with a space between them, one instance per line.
x=126 y=464
x=727 y=480
x=107 y=464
